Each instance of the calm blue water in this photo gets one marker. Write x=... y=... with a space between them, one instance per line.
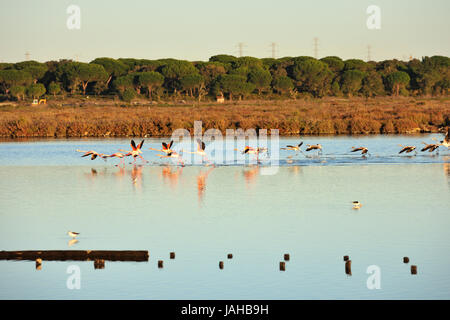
x=204 y=212
x=336 y=151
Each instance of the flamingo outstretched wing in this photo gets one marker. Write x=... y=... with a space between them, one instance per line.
x=133 y=145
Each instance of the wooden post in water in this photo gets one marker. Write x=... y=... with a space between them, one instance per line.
x=413 y=269
x=99 y=264
x=160 y=264
x=220 y=264
x=286 y=257
x=346 y=258
x=282 y=266
x=38 y=264
x=230 y=256
x=172 y=255
x=405 y=259
x=348 y=267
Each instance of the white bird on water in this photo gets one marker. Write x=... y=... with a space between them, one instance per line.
x=72 y=234
x=357 y=205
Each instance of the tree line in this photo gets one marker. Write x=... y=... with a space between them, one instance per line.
x=227 y=75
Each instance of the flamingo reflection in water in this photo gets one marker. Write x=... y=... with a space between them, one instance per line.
x=171 y=175
x=72 y=242
x=201 y=183
x=136 y=176
x=250 y=175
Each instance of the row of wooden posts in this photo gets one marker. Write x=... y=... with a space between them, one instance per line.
x=229 y=256
x=348 y=265
x=99 y=258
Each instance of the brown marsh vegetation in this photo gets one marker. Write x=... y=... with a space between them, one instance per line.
x=98 y=118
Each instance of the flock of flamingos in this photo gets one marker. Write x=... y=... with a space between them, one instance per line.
x=136 y=150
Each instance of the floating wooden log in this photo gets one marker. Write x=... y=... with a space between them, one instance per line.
x=76 y=255
x=172 y=255
x=230 y=256
x=346 y=258
x=221 y=264
x=413 y=269
x=286 y=257
x=348 y=267
x=282 y=266
x=405 y=259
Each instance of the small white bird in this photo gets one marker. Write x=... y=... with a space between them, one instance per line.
x=72 y=234
x=356 y=204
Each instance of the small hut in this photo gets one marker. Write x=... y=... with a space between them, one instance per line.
x=220 y=98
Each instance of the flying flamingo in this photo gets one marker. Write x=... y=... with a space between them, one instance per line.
x=135 y=151
x=200 y=150
x=446 y=141
x=317 y=147
x=119 y=155
x=166 y=148
x=173 y=154
x=407 y=149
x=255 y=151
x=91 y=153
x=430 y=147
x=293 y=148
x=363 y=150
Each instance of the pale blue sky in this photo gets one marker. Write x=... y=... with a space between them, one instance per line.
x=198 y=29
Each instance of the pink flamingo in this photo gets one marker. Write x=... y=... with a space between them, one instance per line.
x=255 y=151
x=136 y=151
x=173 y=154
x=200 y=150
x=119 y=155
x=92 y=153
x=166 y=148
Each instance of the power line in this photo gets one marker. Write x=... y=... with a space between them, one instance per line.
x=241 y=46
x=273 y=45
x=316 y=44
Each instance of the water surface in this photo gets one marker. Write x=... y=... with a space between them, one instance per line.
x=203 y=213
